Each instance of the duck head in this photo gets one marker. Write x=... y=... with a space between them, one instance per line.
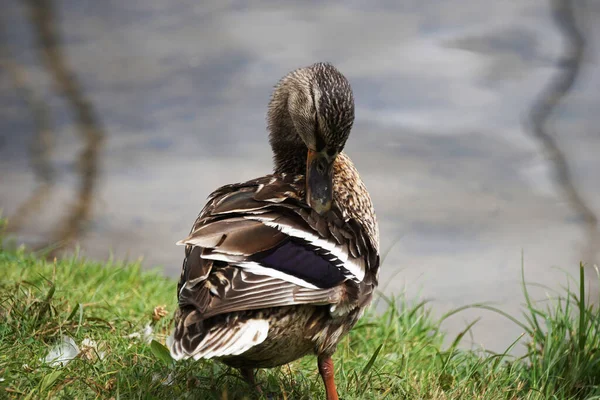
x=310 y=116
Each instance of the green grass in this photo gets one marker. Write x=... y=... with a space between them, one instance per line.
x=398 y=354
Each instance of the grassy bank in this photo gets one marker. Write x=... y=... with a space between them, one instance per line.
x=106 y=315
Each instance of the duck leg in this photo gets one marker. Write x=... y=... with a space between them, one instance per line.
x=326 y=371
x=248 y=375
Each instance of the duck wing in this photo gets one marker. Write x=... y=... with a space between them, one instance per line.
x=257 y=245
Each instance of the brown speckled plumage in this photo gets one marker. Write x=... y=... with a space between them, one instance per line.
x=266 y=278
x=352 y=197
x=295 y=94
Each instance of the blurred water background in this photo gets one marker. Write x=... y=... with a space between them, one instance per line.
x=117 y=119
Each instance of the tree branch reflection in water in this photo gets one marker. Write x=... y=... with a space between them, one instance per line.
x=563 y=12
x=43 y=20
x=41 y=145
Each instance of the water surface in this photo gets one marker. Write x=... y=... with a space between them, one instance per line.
x=441 y=87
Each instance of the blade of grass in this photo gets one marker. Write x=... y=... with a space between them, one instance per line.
x=371 y=361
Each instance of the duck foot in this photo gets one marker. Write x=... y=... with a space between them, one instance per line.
x=248 y=375
x=327 y=373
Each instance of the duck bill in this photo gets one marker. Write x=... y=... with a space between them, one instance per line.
x=319 y=185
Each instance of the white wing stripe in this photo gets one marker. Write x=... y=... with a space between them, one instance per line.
x=348 y=263
x=249 y=334
x=258 y=269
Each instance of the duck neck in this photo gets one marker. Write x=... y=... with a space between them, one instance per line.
x=289 y=151
x=289 y=158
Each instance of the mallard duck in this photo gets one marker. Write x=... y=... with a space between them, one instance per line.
x=284 y=265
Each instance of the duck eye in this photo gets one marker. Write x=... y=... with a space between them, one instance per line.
x=331 y=152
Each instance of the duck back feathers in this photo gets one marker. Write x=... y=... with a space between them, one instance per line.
x=257 y=250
